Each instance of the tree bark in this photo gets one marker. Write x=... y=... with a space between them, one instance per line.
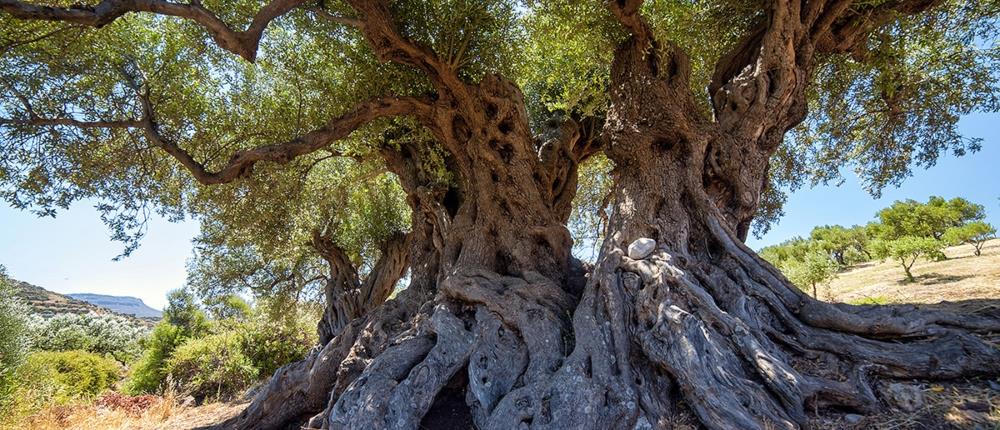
x=348 y=297
x=500 y=328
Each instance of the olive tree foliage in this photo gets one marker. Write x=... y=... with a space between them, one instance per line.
x=974 y=233
x=816 y=269
x=808 y=263
x=894 y=103
x=907 y=249
x=931 y=219
x=77 y=101
x=114 y=336
x=263 y=243
x=845 y=245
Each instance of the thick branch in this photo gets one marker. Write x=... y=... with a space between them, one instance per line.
x=243 y=43
x=377 y=25
x=241 y=164
x=389 y=269
x=844 y=29
x=627 y=13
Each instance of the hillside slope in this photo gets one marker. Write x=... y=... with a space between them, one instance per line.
x=48 y=303
x=962 y=277
x=123 y=305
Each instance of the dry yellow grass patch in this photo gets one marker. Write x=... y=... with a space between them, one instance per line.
x=165 y=414
x=962 y=276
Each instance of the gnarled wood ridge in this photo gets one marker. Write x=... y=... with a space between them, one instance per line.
x=499 y=312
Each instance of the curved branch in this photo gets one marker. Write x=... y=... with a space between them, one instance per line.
x=243 y=43
x=376 y=23
x=844 y=29
x=241 y=164
x=388 y=270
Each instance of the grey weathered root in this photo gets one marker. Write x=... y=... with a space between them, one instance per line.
x=503 y=331
x=299 y=390
x=746 y=350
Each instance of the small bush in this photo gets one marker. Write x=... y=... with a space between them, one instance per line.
x=270 y=345
x=149 y=372
x=60 y=377
x=224 y=356
x=212 y=367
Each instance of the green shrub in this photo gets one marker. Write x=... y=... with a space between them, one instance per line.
x=62 y=376
x=13 y=341
x=149 y=372
x=271 y=344
x=223 y=356
x=183 y=311
x=212 y=367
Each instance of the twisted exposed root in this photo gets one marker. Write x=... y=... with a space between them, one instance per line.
x=748 y=352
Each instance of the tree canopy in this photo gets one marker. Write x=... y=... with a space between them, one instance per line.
x=117 y=113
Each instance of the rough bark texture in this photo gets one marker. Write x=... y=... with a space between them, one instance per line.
x=348 y=297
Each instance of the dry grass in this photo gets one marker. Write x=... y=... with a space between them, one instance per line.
x=962 y=276
x=163 y=414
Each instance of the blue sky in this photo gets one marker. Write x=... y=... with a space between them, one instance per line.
x=72 y=253
x=975 y=177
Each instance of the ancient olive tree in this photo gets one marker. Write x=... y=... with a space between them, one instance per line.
x=484 y=113
x=931 y=219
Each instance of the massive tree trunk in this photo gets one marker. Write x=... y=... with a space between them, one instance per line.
x=503 y=337
x=702 y=313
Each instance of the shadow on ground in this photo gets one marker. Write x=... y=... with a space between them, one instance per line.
x=935 y=278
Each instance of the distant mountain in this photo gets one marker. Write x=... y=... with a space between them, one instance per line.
x=48 y=303
x=123 y=305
